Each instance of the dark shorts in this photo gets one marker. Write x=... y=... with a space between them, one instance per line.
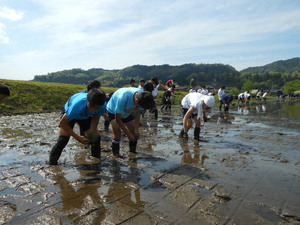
x=124 y=120
x=184 y=111
x=84 y=125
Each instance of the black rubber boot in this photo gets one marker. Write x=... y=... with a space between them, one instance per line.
x=96 y=147
x=106 y=125
x=132 y=146
x=156 y=114
x=56 y=150
x=116 y=147
x=181 y=133
x=197 y=134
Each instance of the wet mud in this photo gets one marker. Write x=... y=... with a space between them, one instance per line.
x=245 y=170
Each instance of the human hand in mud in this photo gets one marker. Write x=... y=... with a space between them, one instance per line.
x=83 y=139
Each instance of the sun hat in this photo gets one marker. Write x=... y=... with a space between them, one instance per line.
x=209 y=102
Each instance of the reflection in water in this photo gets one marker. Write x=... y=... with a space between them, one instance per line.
x=76 y=202
x=225 y=118
x=82 y=197
x=121 y=190
x=190 y=157
x=285 y=114
x=245 y=109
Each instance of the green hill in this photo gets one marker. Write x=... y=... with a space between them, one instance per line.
x=217 y=74
x=281 y=66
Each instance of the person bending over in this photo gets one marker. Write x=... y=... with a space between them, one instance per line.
x=124 y=109
x=193 y=106
x=84 y=109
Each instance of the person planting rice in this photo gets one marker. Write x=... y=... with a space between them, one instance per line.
x=194 y=105
x=124 y=109
x=84 y=109
x=226 y=100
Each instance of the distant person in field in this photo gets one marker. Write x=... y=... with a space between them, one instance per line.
x=84 y=109
x=221 y=92
x=156 y=85
x=142 y=84
x=166 y=99
x=124 y=110
x=203 y=90
x=194 y=106
x=193 y=85
x=132 y=83
x=4 y=92
x=227 y=101
x=93 y=84
x=170 y=82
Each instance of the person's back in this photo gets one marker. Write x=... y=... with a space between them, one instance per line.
x=4 y=92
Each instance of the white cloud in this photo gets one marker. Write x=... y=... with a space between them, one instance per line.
x=10 y=14
x=119 y=33
x=3 y=36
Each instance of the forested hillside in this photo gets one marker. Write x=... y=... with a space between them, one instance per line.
x=281 y=66
x=216 y=74
x=272 y=75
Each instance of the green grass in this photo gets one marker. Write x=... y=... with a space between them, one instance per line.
x=36 y=97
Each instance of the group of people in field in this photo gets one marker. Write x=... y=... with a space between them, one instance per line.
x=122 y=111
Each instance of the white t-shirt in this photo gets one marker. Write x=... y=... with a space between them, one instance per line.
x=221 y=92
x=155 y=91
x=194 y=100
x=241 y=96
x=203 y=91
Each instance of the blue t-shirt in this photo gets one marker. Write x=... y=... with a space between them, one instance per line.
x=76 y=107
x=121 y=102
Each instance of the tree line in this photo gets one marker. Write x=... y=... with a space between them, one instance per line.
x=215 y=75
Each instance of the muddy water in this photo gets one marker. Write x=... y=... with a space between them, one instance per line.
x=245 y=170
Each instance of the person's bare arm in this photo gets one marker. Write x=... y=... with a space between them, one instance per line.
x=67 y=130
x=186 y=117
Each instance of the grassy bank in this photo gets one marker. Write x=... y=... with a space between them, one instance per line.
x=33 y=97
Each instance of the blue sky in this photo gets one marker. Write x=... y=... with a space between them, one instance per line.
x=38 y=37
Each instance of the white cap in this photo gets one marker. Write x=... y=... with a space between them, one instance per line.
x=209 y=102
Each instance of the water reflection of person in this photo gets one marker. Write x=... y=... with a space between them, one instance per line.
x=189 y=157
x=120 y=188
x=225 y=118
x=75 y=200
x=244 y=109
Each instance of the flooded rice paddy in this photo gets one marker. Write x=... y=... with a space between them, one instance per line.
x=245 y=170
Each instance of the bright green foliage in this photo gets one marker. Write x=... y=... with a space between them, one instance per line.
x=248 y=85
x=291 y=86
x=234 y=91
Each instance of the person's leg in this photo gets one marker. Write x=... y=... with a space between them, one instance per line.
x=116 y=137
x=131 y=127
x=197 y=129
x=61 y=143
